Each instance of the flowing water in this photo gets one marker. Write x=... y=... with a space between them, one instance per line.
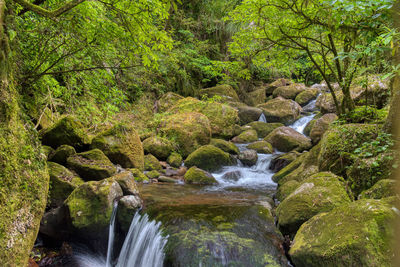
x=262 y=118
x=111 y=233
x=300 y=124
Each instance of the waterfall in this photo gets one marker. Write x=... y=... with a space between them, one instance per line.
x=262 y=118
x=143 y=245
x=111 y=232
x=300 y=124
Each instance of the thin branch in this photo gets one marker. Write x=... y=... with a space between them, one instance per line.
x=47 y=13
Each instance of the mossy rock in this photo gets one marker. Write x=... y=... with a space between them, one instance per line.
x=198 y=176
x=248 y=157
x=306 y=96
x=91 y=204
x=223 y=90
x=366 y=114
x=91 y=165
x=258 y=96
x=138 y=175
x=286 y=189
x=168 y=100
x=326 y=104
x=175 y=160
x=222 y=117
x=289 y=91
x=127 y=207
x=188 y=130
x=262 y=147
x=61 y=154
x=263 y=129
x=289 y=168
x=48 y=151
x=382 y=189
x=226 y=146
x=67 y=131
x=377 y=92
x=62 y=183
x=320 y=126
x=248 y=114
x=320 y=193
x=359 y=233
x=247 y=136
x=126 y=181
x=308 y=127
x=153 y=174
x=286 y=139
x=281 y=110
x=47 y=118
x=151 y=163
x=209 y=158
x=159 y=147
x=281 y=161
x=122 y=146
x=278 y=83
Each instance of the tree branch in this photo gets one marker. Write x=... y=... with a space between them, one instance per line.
x=47 y=13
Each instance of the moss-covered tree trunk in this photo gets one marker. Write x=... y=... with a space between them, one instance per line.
x=24 y=179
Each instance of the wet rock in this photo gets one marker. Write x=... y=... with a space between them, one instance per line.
x=248 y=114
x=91 y=165
x=232 y=176
x=151 y=163
x=165 y=179
x=127 y=183
x=127 y=207
x=261 y=147
x=246 y=137
x=304 y=97
x=168 y=100
x=382 y=189
x=289 y=91
x=122 y=146
x=308 y=127
x=289 y=168
x=248 y=157
x=159 y=147
x=171 y=172
x=61 y=154
x=263 y=129
x=281 y=110
x=198 y=176
x=224 y=90
x=153 y=174
x=320 y=126
x=226 y=146
x=209 y=158
x=138 y=175
x=286 y=139
x=355 y=234
x=54 y=224
x=281 y=161
x=175 y=160
x=67 y=131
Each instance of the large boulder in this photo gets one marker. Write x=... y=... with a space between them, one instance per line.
x=281 y=161
x=151 y=163
x=320 y=193
x=91 y=204
x=289 y=168
x=290 y=91
x=198 y=176
x=226 y=146
x=61 y=154
x=91 y=165
x=258 y=96
x=376 y=92
x=262 y=128
x=247 y=136
x=175 y=160
x=286 y=139
x=383 y=188
x=261 y=147
x=189 y=131
x=248 y=114
x=359 y=233
x=168 y=100
x=138 y=175
x=67 y=131
x=122 y=146
x=248 y=157
x=62 y=183
x=326 y=104
x=281 y=110
x=127 y=208
x=286 y=189
x=225 y=91
x=222 y=117
x=159 y=147
x=320 y=126
x=306 y=96
x=126 y=181
x=209 y=158
x=278 y=83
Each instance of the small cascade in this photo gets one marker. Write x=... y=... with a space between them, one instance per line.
x=111 y=233
x=310 y=107
x=262 y=118
x=144 y=244
x=301 y=123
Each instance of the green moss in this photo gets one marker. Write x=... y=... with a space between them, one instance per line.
x=175 y=160
x=289 y=168
x=263 y=129
x=122 y=146
x=359 y=233
x=286 y=139
x=247 y=136
x=383 y=188
x=48 y=151
x=226 y=146
x=168 y=100
x=127 y=182
x=67 y=131
x=62 y=153
x=247 y=114
x=306 y=96
x=197 y=176
x=159 y=147
x=138 y=175
x=153 y=174
x=151 y=163
x=286 y=189
x=281 y=110
x=92 y=165
x=289 y=91
x=261 y=147
x=308 y=127
x=365 y=114
x=209 y=158
x=223 y=90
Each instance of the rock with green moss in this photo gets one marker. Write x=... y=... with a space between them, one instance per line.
x=258 y=96
x=289 y=91
x=62 y=183
x=175 y=160
x=303 y=98
x=247 y=136
x=248 y=157
x=67 y=131
x=127 y=207
x=382 y=189
x=153 y=174
x=61 y=154
x=48 y=151
x=289 y=168
x=326 y=104
x=262 y=147
x=281 y=110
x=377 y=92
x=198 y=176
x=126 y=181
x=308 y=127
x=320 y=126
x=278 y=83
x=224 y=90
x=122 y=146
x=91 y=165
x=359 y=233
x=320 y=193
x=168 y=100
x=188 y=130
x=159 y=147
x=138 y=175
x=226 y=146
x=90 y=206
x=263 y=129
x=209 y=158
x=248 y=114
x=281 y=161
x=286 y=139
x=286 y=189
x=151 y=163
x=366 y=114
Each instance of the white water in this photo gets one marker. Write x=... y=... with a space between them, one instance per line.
x=111 y=232
x=301 y=123
x=262 y=118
